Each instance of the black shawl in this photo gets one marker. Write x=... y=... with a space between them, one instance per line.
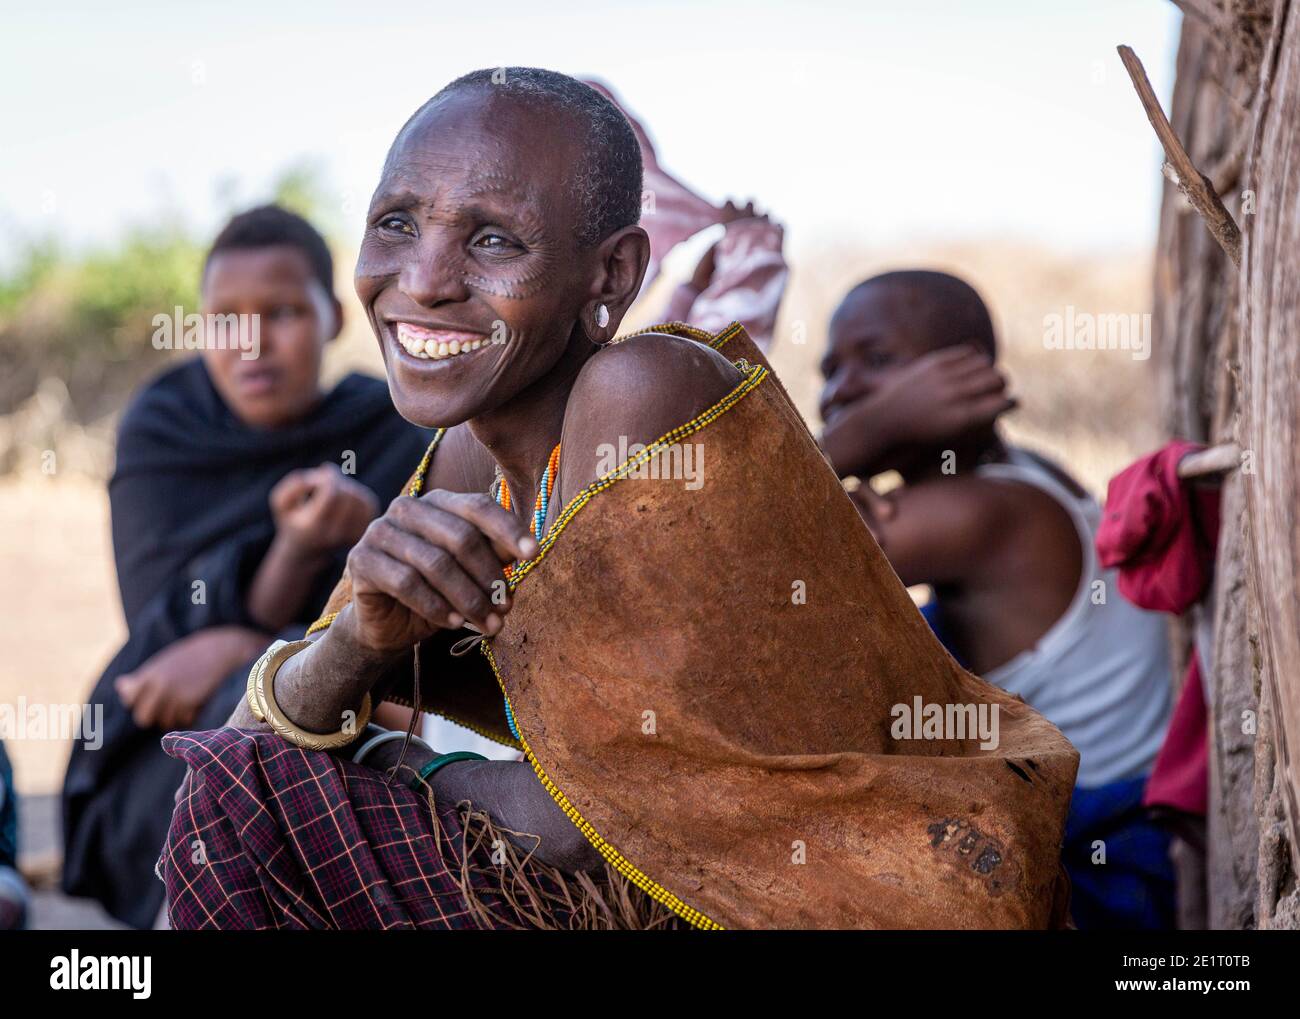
x=191 y=523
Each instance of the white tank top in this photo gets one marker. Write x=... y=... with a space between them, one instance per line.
x=1101 y=673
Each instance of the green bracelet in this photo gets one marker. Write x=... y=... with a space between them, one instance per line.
x=443 y=761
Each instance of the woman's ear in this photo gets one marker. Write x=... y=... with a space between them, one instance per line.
x=622 y=258
x=337 y=308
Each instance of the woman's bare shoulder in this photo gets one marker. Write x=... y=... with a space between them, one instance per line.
x=635 y=391
x=655 y=378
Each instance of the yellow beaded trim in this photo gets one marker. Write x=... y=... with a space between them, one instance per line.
x=672 y=329
x=417 y=481
x=615 y=859
x=720 y=341
x=681 y=328
x=754 y=375
x=505 y=741
x=321 y=624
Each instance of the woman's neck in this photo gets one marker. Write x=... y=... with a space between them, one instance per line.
x=521 y=434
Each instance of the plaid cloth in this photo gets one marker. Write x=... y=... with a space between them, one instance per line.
x=266 y=835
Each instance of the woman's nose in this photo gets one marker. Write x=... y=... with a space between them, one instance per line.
x=434 y=275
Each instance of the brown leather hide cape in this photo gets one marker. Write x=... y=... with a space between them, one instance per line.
x=723 y=685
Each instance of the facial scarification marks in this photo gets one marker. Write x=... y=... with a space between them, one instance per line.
x=968 y=848
x=512 y=288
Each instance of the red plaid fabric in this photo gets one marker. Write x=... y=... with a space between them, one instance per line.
x=266 y=835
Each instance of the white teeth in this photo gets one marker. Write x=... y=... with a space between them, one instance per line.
x=431 y=349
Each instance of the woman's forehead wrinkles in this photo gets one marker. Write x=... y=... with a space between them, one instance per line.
x=492 y=180
x=433 y=181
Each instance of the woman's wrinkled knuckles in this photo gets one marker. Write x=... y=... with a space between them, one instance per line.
x=477 y=607
x=355 y=566
x=403 y=509
x=461 y=537
x=381 y=532
x=407 y=582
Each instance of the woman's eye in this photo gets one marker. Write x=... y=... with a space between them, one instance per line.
x=493 y=242
x=395 y=223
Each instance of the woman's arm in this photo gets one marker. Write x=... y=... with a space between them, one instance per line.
x=428 y=564
x=316 y=512
x=510 y=794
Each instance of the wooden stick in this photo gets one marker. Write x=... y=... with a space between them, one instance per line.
x=1215 y=460
x=1191 y=182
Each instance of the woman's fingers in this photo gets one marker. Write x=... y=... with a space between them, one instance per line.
x=374 y=571
x=127 y=688
x=510 y=538
x=146 y=708
x=987 y=408
x=472 y=549
x=439 y=568
x=877 y=505
x=439 y=557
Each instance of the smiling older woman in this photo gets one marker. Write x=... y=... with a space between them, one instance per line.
x=701 y=677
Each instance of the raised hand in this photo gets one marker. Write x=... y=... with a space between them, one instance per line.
x=433 y=562
x=936 y=397
x=320 y=509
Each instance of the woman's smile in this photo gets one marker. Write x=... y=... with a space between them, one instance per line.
x=433 y=343
x=425 y=348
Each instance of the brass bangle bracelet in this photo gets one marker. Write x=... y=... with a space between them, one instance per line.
x=250 y=694
x=262 y=702
x=259 y=667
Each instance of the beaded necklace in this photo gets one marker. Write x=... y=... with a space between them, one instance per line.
x=540 y=505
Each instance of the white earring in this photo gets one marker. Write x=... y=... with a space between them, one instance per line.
x=602 y=316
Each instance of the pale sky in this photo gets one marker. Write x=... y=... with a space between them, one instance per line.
x=862 y=121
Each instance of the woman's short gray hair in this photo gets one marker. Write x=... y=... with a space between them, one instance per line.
x=607 y=184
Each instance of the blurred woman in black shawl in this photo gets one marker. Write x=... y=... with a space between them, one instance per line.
x=239 y=487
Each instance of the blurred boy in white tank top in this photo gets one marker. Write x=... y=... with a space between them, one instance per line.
x=1005 y=540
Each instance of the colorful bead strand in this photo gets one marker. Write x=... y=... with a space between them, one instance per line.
x=542 y=502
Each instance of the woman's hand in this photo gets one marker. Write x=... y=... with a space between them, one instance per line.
x=707 y=265
x=169 y=690
x=430 y=563
x=316 y=511
x=427 y=564
x=320 y=509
